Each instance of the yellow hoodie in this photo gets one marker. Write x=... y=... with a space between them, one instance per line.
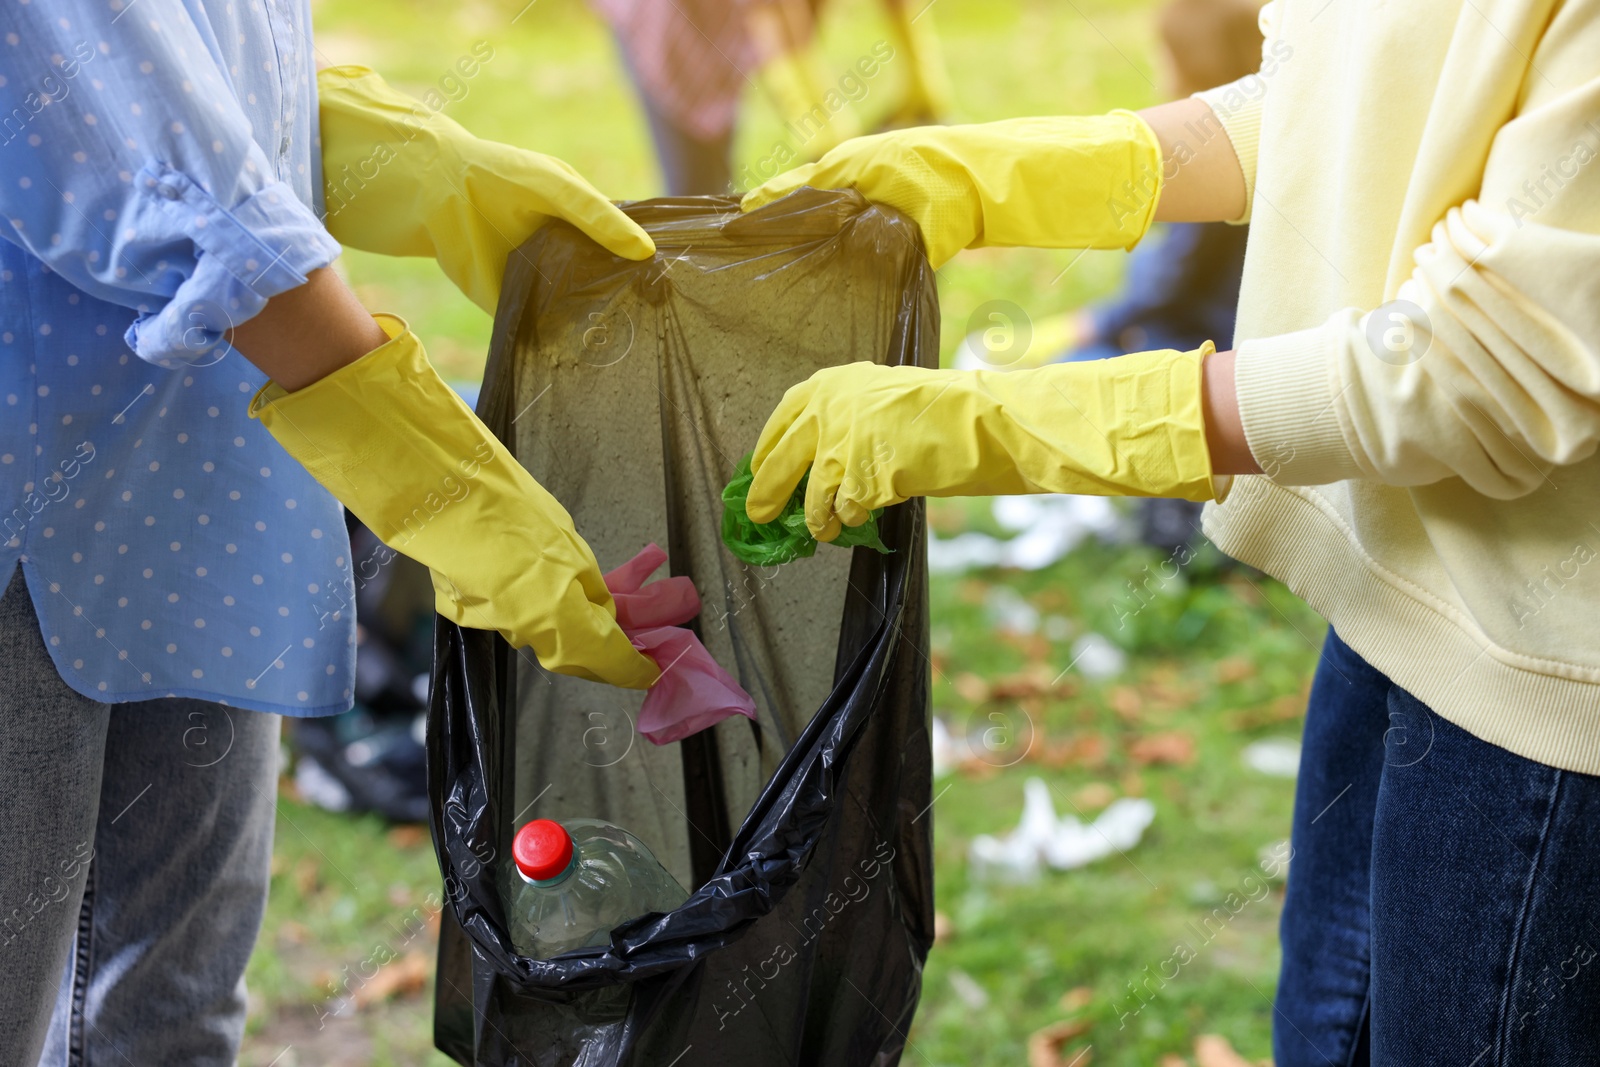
x=1419 y=348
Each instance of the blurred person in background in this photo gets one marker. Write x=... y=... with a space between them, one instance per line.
x=191 y=392
x=692 y=60
x=1182 y=282
x=1405 y=434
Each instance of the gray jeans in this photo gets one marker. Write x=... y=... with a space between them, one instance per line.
x=135 y=850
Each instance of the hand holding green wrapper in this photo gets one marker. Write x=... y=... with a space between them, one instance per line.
x=786 y=538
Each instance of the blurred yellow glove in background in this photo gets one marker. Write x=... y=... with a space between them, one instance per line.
x=873 y=436
x=403 y=180
x=1061 y=182
x=398 y=447
x=797 y=92
x=926 y=95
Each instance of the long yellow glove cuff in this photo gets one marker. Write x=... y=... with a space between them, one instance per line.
x=403 y=180
x=873 y=435
x=398 y=447
x=1062 y=182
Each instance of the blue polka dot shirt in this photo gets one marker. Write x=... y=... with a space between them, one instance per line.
x=159 y=181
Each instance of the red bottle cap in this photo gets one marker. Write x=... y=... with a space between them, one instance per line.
x=542 y=849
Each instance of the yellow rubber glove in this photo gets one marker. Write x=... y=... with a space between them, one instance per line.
x=873 y=436
x=403 y=180
x=398 y=447
x=1064 y=182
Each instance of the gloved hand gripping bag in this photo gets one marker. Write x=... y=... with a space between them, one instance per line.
x=631 y=390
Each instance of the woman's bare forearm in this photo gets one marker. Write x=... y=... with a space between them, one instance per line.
x=308 y=333
x=1203 y=181
x=1230 y=452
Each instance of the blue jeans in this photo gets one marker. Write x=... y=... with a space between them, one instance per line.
x=135 y=850
x=1443 y=904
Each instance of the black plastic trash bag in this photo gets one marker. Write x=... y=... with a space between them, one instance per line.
x=630 y=390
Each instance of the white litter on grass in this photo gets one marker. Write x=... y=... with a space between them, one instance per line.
x=1096 y=657
x=1047 y=526
x=968 y=991
x=319 y=787
x=1010 y=612
x=1275 y=859
x=964 y=552
x=1043 y=839
x=1277 y=756
x=945 y=753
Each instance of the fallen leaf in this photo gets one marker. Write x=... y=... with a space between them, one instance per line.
x=408 y=836
x=946 y=520
x=1247 y=592
x=293 y=932
x=1089 y=751
x=1035 y=648
x=1132 y=784
x=971 y=687
x=1233 y=669
x=943 y=931
x=1172 y=747
x=1077 y=998
x=1093 y=796
x=1033 y=682
x=1166 y=695
x=307 y=876
x=976 y=768
x=1126 y=701
x=1172 y=1060
x=1047 y=1046
x=974 y=591
x=1213 y=1050
x=403 y=977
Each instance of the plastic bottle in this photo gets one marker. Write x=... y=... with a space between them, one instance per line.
x=571 y=884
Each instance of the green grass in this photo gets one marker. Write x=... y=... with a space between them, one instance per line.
x=1218 y=657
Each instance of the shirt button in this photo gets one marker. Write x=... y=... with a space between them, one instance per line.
x=170 y=192
x=283 y=147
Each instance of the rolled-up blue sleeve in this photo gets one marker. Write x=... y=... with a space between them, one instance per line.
x=128 y=167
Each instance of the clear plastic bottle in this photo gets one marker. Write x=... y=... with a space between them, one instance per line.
x=571 y=884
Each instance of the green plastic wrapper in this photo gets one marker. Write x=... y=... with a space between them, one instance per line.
x=767 y=544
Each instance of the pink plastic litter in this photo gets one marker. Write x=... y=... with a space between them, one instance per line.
x=694 y=691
